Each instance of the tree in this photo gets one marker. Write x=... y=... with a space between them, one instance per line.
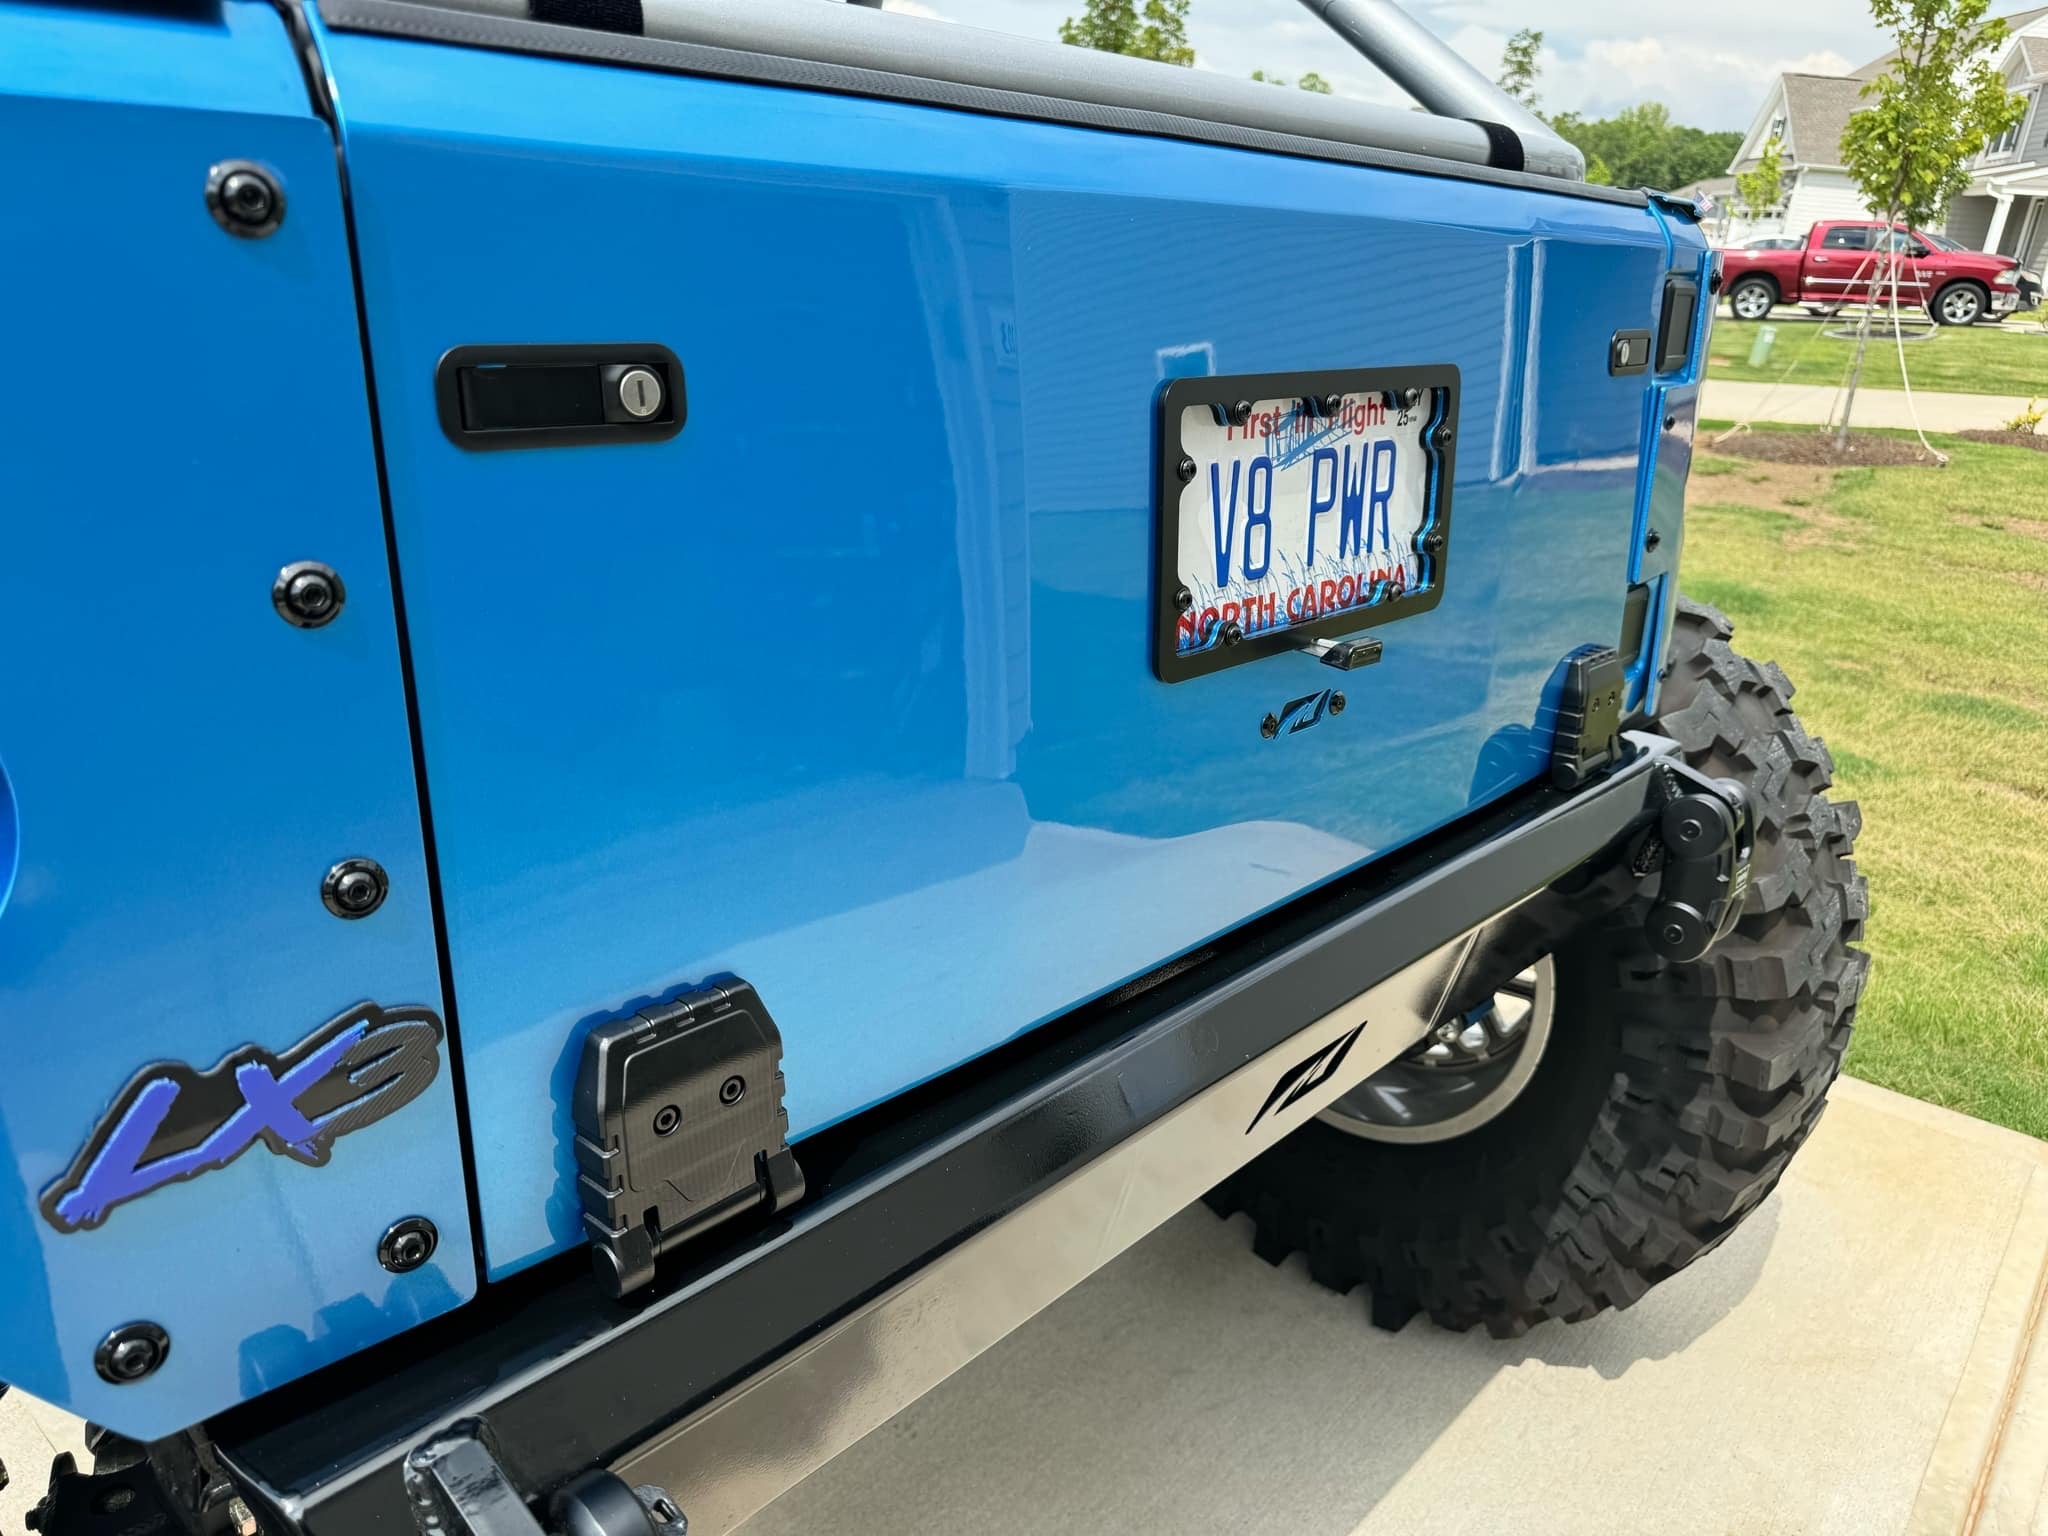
x=1938 y=102
x=1760 y=189
x=1641 y=147
x=1311 y=81
x=1519 y=67
x=1115 y=26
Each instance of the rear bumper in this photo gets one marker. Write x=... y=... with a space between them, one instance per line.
x=937 y=1223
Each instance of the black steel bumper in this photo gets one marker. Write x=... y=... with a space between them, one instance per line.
x=567 y=1380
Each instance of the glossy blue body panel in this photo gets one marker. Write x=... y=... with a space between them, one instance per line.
x=845 y=688
x=185 y=414
x=1670 y=416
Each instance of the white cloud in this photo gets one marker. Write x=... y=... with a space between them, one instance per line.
x=1709 y=65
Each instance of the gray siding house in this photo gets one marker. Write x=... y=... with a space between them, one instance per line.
x=2005 y=207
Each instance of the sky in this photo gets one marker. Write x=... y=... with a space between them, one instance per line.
x=1711 y=64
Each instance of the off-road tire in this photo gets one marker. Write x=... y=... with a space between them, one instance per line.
x=1669 y=1098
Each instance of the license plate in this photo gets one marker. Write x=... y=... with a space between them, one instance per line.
x=1295 y=507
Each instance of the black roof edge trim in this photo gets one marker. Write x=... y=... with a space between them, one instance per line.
x=427 y=23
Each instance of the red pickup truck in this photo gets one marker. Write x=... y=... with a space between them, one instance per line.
x=1841 y=258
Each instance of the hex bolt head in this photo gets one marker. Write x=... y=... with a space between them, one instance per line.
x=732 y=1090
x=1337 y=703
x=131 y=1352
x=407 y=1244
x=354 y=888
x=1270 y=727
x=307 y=594
x=1185 y=468
x=244 y=198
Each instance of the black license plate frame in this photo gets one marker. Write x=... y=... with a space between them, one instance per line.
x=1438 y=388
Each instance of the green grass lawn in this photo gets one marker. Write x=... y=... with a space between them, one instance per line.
x=1977 y=360
x=1910 y=606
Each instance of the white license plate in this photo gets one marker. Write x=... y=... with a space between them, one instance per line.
x=1289 y=514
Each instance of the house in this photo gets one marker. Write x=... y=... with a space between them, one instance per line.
x=1806 y=115
x=2005 y=207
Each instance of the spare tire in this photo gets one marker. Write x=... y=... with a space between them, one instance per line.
x=1668 y=1098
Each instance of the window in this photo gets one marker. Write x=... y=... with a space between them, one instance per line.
x=1777 y=129
x=1847 y=237
x=2009 y=140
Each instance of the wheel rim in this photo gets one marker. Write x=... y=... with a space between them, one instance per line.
x=1751 y=303
x=1959 y=307
x=1466 y=1073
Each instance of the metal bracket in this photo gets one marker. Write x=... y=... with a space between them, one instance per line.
x=458 y=1488
x=1704 y=837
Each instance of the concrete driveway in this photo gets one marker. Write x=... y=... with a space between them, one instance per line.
x=1853 y=1361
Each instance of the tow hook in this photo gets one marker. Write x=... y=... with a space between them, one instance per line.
x=1699 y=846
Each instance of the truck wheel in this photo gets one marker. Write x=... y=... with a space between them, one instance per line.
x=1610 y=1116
x=1959 y=304
x=1752 y=298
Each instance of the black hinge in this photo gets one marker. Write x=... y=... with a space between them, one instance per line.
x=1588 y=716
x=680 y=1127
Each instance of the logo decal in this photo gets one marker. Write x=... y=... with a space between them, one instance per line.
x=1306 y=1077
x=1303 y=712
x=172 y=1122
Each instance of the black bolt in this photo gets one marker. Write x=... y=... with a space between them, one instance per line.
x=1332 y=404
x=244 y=198
x=1232 y=633
x=666 y=1119
x=354 y=888
x=1714 y=282
x=1442 y=437
x=1673 y=935
x=1690 y=830
x=1185 y=469
x=1652 y=539
x=1183 y=599
x=1336 y=703
x=732 y=1090
x=1270 y=727
x=131 y=1352
x=1241 y=412
x=1670 y=422
x=1433 y=542
x=307 y=594
x=407 y=1244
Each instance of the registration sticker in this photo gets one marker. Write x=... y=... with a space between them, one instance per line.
x=1295 y=507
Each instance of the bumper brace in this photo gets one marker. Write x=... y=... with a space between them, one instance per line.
x=935 y=1224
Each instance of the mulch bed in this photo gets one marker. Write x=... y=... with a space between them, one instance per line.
x=1819 y=448
x=2034 y=440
